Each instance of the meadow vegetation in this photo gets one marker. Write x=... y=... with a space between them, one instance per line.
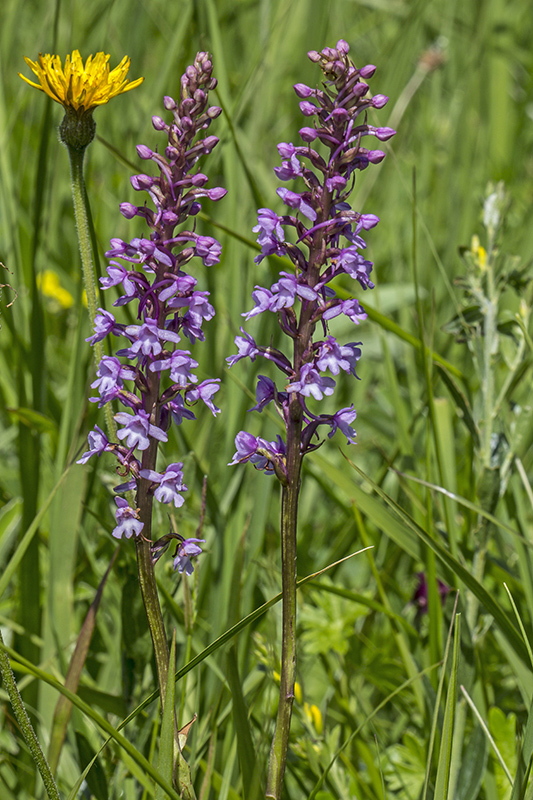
x=415 y=659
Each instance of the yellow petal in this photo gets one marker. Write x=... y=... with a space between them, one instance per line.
x=80 y=87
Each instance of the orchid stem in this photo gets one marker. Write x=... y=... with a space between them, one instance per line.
x=289 y=517
x=153 y=612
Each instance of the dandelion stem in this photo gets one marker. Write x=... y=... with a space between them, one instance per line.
x=84 y=240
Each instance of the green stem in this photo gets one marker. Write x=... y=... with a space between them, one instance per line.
x=25 y=725
x=145 y=566
x=182 y=775
x=82 y=227
x=289 y=519
x=84 y=240
x=150 y=596
x=280 y=742
x=153 y=612
x=144 y=557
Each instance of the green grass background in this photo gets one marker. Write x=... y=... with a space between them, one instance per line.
x=454 y=414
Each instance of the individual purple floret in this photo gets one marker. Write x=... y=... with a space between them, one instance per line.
x=187 y=549
x=421 y=593
x=128 y=524
x=98 y=444
x=267 y=456
x=321 y=235
x=170 y=484
x=152 y=373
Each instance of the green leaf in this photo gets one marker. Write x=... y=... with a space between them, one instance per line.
x=18 y=662
x=473 y=768
x=507 y=628
x=318 y=786
x=445 y=754
x=34 y=420
x=26 y=540
x=245 y=746
x=95 y=777
x=436 y=711
x=524 y=760
x=503 y=730
x=63 y=707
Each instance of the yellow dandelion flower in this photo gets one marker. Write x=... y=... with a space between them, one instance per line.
x=48 y=283
x=80 y=88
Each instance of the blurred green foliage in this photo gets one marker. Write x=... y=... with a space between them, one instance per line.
x=461 y=97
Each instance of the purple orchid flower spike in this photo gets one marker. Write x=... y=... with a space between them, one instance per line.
x=153 y=374
x=321 y=218
x=321 y=235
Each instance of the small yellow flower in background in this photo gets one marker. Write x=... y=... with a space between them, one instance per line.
x=78 y=87
x=48 y=283
x=479 y=252
x=314 y=716
x=312 y=712
x=297 y=687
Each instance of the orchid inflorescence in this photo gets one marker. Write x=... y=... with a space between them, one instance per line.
x=324 y=248
x=151 y=272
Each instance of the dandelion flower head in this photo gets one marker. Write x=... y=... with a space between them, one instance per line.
x=78 y=87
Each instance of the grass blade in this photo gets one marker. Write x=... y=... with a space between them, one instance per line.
x=445 y=754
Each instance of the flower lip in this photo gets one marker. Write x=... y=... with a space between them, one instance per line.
x=79 y=87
